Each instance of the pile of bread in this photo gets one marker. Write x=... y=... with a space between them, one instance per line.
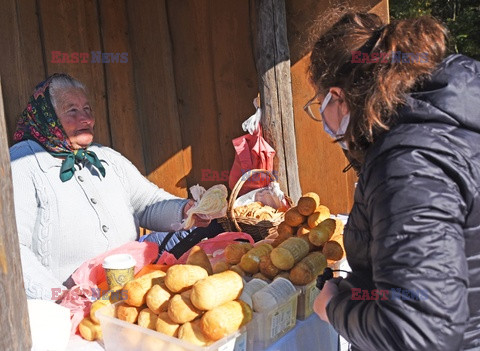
x=307 y=241
x=187 y=301
x=258 y=210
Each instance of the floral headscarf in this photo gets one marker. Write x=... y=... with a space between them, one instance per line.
x=40 y=123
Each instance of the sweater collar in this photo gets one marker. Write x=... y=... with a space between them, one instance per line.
x=46 y=160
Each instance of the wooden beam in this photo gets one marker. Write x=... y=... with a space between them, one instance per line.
x=21 y=60
x=273 y=66
x=15 y=326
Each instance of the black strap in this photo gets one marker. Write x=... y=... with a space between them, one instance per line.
x=196 y=235
x=161 y=248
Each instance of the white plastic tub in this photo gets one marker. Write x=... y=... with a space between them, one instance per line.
x=267 y=327
x=307 y=295
x=119 y=335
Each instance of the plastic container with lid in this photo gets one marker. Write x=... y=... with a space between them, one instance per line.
x=272 y=295
x=269 y=326
x=119 y=335
x=307 y=295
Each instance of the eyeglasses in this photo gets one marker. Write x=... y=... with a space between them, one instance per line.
x=314 y=109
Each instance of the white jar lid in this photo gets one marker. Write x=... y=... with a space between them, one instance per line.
x=119 y=261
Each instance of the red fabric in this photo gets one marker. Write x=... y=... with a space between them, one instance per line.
x=213 y=246
x=251 y=152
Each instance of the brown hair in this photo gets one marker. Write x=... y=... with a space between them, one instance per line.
x=374 y=91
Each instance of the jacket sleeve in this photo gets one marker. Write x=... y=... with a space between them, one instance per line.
x=155 y=208
x=415 y=209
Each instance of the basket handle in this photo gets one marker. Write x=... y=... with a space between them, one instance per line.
x=236 y=190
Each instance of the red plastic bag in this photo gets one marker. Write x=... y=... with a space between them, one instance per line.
x=251 y=152
x=90 y=276
x=213 y=246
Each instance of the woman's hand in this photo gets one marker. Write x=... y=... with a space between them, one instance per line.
x=197 y=220
x=329 y=290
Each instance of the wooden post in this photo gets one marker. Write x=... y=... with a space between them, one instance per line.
x=272 y=58
x=14 y=324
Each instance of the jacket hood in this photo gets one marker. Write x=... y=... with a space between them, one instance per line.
x=451 y=95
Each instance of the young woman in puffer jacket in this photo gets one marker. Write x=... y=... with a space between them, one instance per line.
x=409 y=116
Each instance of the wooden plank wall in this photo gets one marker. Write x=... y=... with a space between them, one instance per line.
x=189 y=82
x=177 y=103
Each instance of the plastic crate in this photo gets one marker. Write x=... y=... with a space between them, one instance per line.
x=267 y=327
x=306 y=297
x=119 y=335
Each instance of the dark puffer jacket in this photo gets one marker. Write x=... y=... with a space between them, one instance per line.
x=415 y=224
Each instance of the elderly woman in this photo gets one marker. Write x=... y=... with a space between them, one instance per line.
x=73 y=199
x=409 y=116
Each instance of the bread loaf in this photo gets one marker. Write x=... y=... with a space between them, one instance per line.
x=147 y=319
x=128 y=313
x=137 y=289
x=225 y=319
x=107 y=299
x=166 y=326
x=216 y=289
x=157 y=298
x=89 y=330
x=181 y=309
x=198 y=257
x=181 y=277
x=192 y=332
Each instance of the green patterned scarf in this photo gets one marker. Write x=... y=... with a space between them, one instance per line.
x=40 y=123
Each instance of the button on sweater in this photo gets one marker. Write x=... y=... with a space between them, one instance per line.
x=63 y=224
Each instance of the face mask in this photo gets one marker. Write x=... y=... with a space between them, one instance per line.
x=343 y=123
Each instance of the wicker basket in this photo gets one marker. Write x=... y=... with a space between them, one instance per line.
x=258 y=229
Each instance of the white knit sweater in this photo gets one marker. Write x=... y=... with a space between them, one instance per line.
x=61 y=225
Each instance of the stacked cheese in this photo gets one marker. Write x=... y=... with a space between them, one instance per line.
x=307 y=240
